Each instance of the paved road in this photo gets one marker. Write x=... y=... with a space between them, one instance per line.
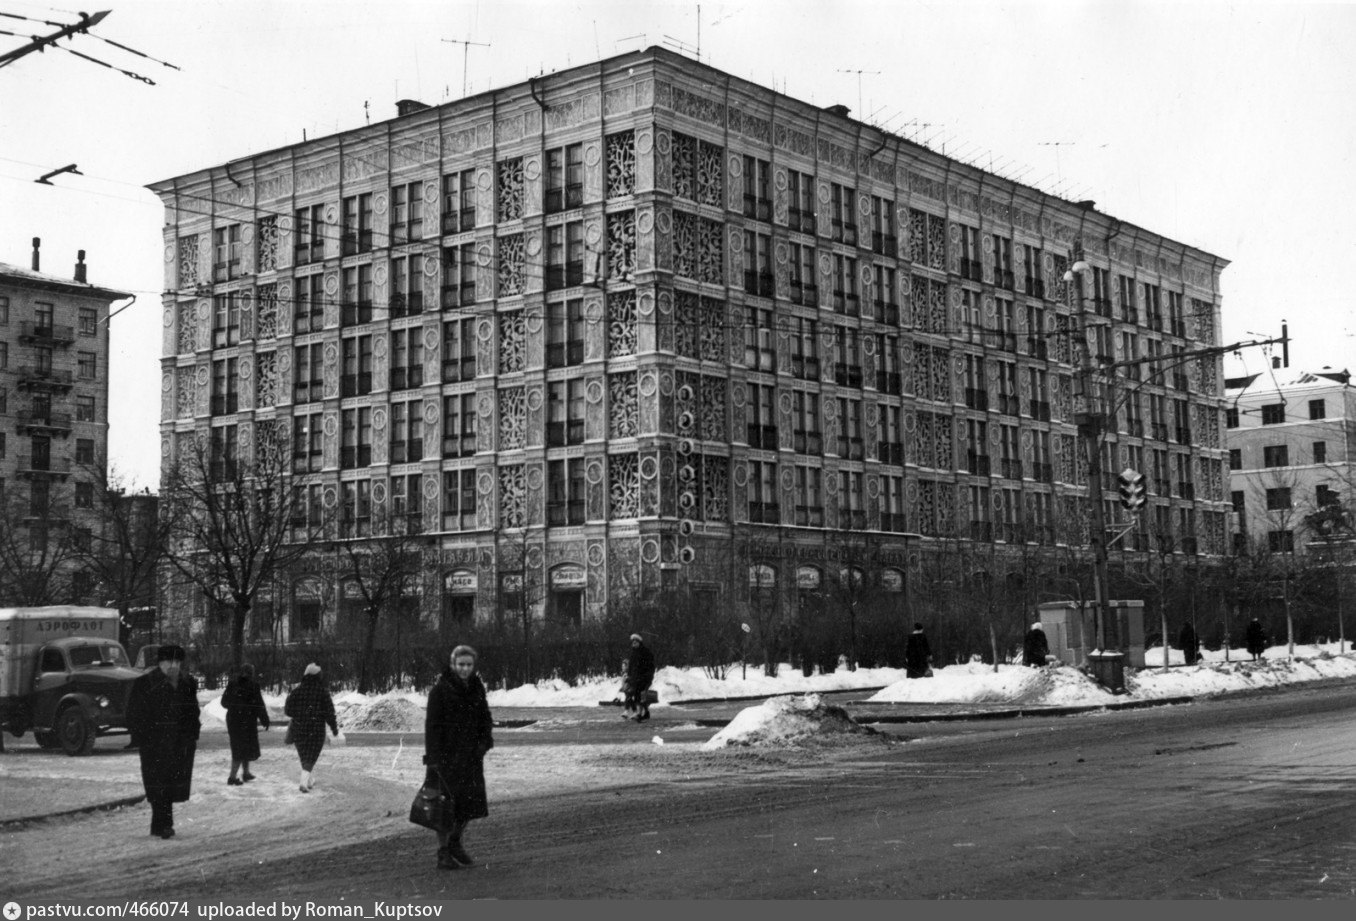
x=1245 y=797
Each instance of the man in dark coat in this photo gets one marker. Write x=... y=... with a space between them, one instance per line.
x=1035 y=648
x=1256 y=639
x=245 y=713
x=639 y=677
x=917 y=654
x=457 y=734
x=162 y=716
x=1191 y=647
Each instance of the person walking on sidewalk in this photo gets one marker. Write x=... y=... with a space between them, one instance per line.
x=311 y=709
x=639 y=677
x=163 y=719
x=1256 y=638
x=917 y=654
x=245 y=713
x=1036 y=648
x=457 y=734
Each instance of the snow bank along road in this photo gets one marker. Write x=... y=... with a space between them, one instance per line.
x=1242 y=797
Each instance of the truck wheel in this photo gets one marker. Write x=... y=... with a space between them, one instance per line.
x=75 y=732
x=46 y=739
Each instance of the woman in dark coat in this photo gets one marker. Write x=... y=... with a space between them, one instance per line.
x=311 y=709
x=162 y=717
x=457 y=734
x=1256 y=639
x=639 y=677
x=245 y=713
x=1035 y=649
x=1191 y=647
x=917 y=653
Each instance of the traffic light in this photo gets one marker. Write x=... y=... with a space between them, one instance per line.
x=1132 y=489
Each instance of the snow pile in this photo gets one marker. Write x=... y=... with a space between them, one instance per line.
x=397 y=712
x=787 y=721
x=1223 y=677
x=975 y=683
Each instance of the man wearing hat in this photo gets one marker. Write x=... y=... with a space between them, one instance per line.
x=639 y=676
x=162 y=716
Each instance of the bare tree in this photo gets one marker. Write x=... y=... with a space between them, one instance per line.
x=236 y=522
x=37 y=546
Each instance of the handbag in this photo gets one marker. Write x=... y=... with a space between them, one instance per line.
x=287 y=737
x=432 y=808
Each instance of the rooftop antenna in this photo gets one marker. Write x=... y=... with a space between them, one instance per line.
x=465 y=55
x=1057 y=145
x=640 y=35
x=682 y=46
x=859 y=82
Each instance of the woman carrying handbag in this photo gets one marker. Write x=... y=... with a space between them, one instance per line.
x=457 y=734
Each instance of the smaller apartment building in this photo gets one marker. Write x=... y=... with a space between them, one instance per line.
x=1291 y=439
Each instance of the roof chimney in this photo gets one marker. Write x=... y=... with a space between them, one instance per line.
x=838 y=110
x=80 y=266
x=410 y=106
x=37 y=245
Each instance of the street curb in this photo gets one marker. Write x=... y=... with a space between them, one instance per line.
x=867 y=719
x=16 y=824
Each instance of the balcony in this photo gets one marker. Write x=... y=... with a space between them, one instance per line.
x=847 y=375
x=810 y=516
x=32 y=466
x=765 y=513
x=463 y=445
x=976 y=398
x=32 y=378
x=462 y=295
x=763 y=437
x=758 y=282
x=890 y=382
x=891 y=452
x=459 y=369
x=45 y=333
x=44 y=421
x=802 y=221
x=564 y=514
x=884 y=244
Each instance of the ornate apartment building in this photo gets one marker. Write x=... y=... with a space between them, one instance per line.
x=641 y=325
x=53 y=422
x=1291 y=440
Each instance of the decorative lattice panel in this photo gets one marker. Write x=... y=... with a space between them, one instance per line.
x=512 y=496
x=188 y=261
x=623 y=486
x=621 y=323
x=512 y=418
x=623 y=405
x=621 y=164
x=621 y=246
x=512 y=342
x=266 y=312
x=716 y=488
x=510 y=189
x=266 y=239
x=266 y=380
x=512 y=258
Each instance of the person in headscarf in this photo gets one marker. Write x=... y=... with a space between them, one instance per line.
x=245 y=713
x=164 y=721
x=1035 y=648
x=311 y=708
x=639 y=677
x=457 y=734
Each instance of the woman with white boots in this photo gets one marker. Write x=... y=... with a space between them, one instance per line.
x=311 y=709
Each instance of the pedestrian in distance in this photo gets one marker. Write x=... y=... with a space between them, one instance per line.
x=245 y=713
x=639 y=677
x=457 y=734
x=1035 y=648
x=1191 y=647
x=163 y=719
x=311 y=708
x=1256 y=639
x=917 y=654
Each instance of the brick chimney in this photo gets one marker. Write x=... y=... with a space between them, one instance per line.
x=80 y=266
x=37 y=245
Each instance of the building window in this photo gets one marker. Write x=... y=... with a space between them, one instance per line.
x=806 y=434
x=356 y=437
x=459 y=276
x=885 y=302
x=809 y=497
x=890 y=446
x=1235 y=459
x=883 y=239
x=1034 y=274
x=309 y=312
x=226 y=253
x=850 y=428
x=804 y=342
x=1320 y=452
x=225 y=320
x=357 y=229
x=356 y=377
x=757 y=198
x=459 y=425
x=84 y=450
x=4 y=311
x=88 y=320
x=801 y=194
x=564 y=178
x=407 y=432
x=759 y=344
x=1273 y=413
x=84 y=495
x=565 y=492
x=847 y=357
x=223 y=450
x=459 y=351
x=845 y=297
x=357 y=303
x=1278 y=499
x=1324 y=496
x=564 y=413
x=1276 y=456
x=407 y=358
x=225 y=378
x=1317 y=410
x=459 y=202
x=564 y=255
x=1231 y=417
x=970 y=265
x=763 y=508
x=308 y=376
x=355 y=511
x=84 y=408
x=761 y=416
x=85 y=365
x=1281 y=541
x=309 y=228
x=407 y=213
x=1002 y=262
x=307 y=442
x=564 y=333
x=407 y=286
x=4 y=355
x=459 y=499
x=802 y=275
x=843 y=216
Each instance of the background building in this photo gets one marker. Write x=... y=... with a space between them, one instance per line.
x=53 y=429
x=642 y=326
x=1291 y=438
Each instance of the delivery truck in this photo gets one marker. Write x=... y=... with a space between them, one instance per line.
x=64 y=675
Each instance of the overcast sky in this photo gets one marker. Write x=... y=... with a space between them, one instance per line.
x=1227 y=126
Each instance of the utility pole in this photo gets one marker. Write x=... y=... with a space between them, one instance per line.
x=40 y=44
x=465 y=54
